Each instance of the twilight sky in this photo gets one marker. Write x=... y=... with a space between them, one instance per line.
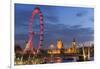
x=60 y=22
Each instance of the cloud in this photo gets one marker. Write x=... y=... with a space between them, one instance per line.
x=66 y=33
x=55 y=25
x=52 y=19
x=81 y=13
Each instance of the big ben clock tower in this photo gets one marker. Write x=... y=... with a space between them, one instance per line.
x=74 y=45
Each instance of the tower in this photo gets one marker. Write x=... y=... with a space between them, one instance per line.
x=74 y=45
x=59 y=44
x=51 y=46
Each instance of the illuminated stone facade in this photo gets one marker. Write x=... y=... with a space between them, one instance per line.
x=59 y=44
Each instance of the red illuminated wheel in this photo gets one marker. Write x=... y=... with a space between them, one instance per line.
x=41 y=32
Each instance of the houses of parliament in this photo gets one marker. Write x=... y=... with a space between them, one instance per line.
x=60 y=48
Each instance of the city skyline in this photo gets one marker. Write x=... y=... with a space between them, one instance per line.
x=60 y=22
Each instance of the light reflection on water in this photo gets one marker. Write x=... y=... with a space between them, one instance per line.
x=60 y=60
x=55 y=60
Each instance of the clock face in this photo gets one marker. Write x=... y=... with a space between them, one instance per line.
x=74 y=43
